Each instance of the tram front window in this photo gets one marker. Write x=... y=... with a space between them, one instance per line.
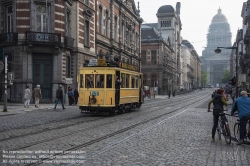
x=89 y=81
x=81 y=81
x=99 y=80
x=109 y=81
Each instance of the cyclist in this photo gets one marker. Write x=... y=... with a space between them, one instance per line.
x=242 y=104
x=218 y=101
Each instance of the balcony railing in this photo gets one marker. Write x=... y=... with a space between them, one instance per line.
x=190 y=67
x=68 y=42
x=41 y=37
x=8 y=38
x=190 y=75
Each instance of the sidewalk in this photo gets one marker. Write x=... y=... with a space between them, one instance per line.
x=18 y=108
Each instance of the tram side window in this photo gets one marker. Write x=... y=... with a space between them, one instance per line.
x=136 y=82
x=109 y=81
x=122 y=80
x=99 y=81
x=89 y=81
x=127 y=80
x=81 y=81
x=132 y=81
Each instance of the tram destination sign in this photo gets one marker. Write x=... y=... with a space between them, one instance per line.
x=127 y=66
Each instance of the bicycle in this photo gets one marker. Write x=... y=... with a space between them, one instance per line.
x=237 y=130
x=223 y=128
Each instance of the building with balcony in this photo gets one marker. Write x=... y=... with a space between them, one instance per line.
x=158 y=62
x=46 y=41
x=242 y=42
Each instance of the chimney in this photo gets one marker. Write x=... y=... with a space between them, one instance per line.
x=178 y=7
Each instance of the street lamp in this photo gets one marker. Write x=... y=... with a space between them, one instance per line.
x=218 y=50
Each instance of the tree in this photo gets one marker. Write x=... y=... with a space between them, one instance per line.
x=226 y=77
x=203 y=77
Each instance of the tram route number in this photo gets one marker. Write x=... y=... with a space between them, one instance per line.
x=94 y=93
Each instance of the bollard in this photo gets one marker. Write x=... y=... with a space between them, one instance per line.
x=154 y=95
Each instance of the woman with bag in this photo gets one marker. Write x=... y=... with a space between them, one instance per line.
x=27 y=97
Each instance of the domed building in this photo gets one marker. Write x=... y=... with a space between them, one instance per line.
x=219 y=35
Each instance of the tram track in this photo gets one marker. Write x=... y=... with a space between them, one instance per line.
x=126 y=128
x=161 y=106
x=47 y=129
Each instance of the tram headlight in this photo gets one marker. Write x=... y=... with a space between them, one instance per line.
x=93 y=100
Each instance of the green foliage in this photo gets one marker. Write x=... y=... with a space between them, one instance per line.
x=226 y=77
x=203 y=77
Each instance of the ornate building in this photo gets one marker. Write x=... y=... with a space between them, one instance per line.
x=219 y=35
x=158 y=63
x=169 y=25
x=48 y=40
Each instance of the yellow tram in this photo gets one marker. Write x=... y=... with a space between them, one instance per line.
x=109 y=87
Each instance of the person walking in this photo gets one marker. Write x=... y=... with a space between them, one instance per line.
x=242 y=104
x=169 y=94
x=27 y=97
x=59 y=97
x=174 y=93
x=76 y=95
x=233 y=93
x=218 y=101
x=70 y=96
x=37 y=94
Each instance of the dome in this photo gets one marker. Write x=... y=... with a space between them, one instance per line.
x=166 y=9
x=219 y=17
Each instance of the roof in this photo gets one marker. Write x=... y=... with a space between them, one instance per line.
x=150 y=25
x=219 y=17
x=149 y=33
x=166 y=9
x=187 y=43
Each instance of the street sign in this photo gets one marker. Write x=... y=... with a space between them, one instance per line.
x=68 y=81
x=93 y=62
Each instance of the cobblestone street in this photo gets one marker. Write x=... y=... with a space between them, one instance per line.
x=175 y=131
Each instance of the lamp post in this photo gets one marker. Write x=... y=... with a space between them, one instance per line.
x=218 y=50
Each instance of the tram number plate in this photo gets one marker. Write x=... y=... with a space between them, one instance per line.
x=94 y=93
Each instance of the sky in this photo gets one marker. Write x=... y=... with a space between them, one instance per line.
x=196 y=16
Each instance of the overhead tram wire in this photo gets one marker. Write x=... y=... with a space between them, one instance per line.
x=195 y=41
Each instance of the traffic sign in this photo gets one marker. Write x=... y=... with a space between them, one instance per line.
x=68 y=81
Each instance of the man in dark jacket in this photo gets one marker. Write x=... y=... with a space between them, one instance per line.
x=59 y=97
x=218 y=101
x=76 y=95
x=242 y=105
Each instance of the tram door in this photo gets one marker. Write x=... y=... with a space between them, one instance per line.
x=141 y=97
x=117 y=87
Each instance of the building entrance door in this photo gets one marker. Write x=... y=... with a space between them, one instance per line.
x=42 y=74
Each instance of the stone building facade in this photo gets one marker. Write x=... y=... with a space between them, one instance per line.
x=242 y=42
x=158 y=62
x=169 y=25
x=219 y=35
x=191 y=66
x=48 y=40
